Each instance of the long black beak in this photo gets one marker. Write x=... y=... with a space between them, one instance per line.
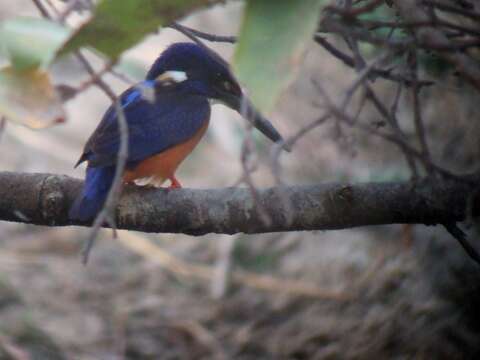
x=245 y=108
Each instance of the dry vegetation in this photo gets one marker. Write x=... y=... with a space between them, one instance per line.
x=392 y=292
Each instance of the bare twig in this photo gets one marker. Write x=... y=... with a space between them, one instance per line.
x=3 y=124
x=194 y=34
x=125 y=78
x=378 y=24
x=97 y=80
x=277 y=168
x=404 y=145
x=465 y=65
x=107 y=214
x=417 y=113
x=248 y=152
x=402 y=140
x=187 y=33
x=469 y=13
x=350 y=62
x=352 y=12
x=363 y=73
x=440 y=43
x=43 y=10
x=73 y=5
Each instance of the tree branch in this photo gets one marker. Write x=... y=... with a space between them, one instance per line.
x=44 y=199
x=466 y=66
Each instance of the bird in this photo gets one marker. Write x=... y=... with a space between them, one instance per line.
x=185 y=80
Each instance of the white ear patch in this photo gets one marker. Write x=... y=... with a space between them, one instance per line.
x=172 y=76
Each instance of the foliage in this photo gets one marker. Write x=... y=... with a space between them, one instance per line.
x=27 y=95
x=118 y=25
x=273 y=38
x=38 y=105
x=31 y=44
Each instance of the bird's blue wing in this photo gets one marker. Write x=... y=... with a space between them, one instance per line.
x=153 y=127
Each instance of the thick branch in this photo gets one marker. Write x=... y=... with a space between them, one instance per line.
x=44 y=199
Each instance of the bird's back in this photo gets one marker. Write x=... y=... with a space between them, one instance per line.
x=153 y=127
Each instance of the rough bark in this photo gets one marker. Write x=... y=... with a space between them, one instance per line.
x=44 y=199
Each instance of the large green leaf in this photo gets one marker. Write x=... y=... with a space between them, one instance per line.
x=28 y=97
x=273 y=38
x=31 y=42
x=118 y=25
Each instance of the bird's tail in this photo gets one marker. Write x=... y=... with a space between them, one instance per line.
x=97 y=183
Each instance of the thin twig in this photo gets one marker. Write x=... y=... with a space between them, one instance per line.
x=248 y=152
x=107 y=214
x=363 y=74
x=73 y=5
x=3 y=124
x=336 y=26
x=391 y=119
x=123 y=77
x=43 y=10
x=276 y=167
x=350 y=62
x=405 y=146
x=97 y=80
x=203 y=35
x=246 y=156
x=187 y=33
x=370 y=94
x=378 y=24
x=417 y=113
x=352 y=12
x=453 y=9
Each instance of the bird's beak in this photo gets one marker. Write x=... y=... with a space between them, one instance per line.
x=239 y=102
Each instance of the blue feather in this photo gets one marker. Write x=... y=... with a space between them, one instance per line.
x=97 y=183
x=173 y=118
x=185 y=57
x=153 y=128
x=135 y=93
x=177 y=113
x=131 y=97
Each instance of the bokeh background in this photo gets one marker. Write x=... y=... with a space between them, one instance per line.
x=390 y=292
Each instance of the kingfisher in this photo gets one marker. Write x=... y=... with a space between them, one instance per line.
x=164 y=129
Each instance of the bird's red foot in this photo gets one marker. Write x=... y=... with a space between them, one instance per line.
x=175 y=183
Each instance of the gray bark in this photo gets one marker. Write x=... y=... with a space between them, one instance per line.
x=44 y=199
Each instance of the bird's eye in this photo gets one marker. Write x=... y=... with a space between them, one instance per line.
x=227 y=85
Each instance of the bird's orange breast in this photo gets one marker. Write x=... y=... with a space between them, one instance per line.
x=162 y=166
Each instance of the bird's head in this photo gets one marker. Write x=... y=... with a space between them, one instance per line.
x=199 y=70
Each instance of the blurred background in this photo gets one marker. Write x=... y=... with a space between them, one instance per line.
x=390 y=292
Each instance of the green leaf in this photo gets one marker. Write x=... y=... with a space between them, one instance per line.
x=118 y=25
x=273 y=38
x=29 y=98
x=30 y=42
